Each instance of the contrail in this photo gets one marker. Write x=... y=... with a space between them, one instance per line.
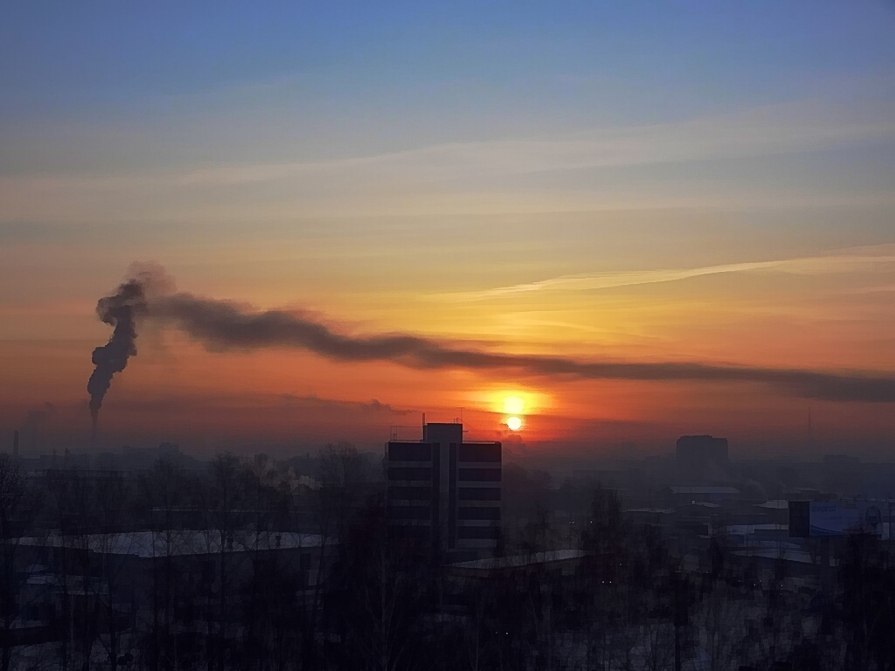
x=222 y=325
x=847 y=261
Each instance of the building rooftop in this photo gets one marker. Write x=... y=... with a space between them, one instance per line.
x=740 y=529
x=797 y=556
x=723 y=491
x=147 y=544
x=518 y=561
x=774 y=504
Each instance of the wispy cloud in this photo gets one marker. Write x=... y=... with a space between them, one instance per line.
x=813 y=265
x=467 y=177
x=776 y=129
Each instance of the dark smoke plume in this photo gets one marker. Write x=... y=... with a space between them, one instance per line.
x=120 y=310
x=222 y=325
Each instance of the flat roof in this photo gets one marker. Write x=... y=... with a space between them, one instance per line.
x=518 y=561
x=705 y=490
x=147 y=544
x=739 y=529
x=774 y=504
x=796 y=556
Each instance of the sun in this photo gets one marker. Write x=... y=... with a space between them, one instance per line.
x=514 y=423
x=513 y=405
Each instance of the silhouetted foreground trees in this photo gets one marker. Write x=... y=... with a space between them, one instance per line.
x=247 y=565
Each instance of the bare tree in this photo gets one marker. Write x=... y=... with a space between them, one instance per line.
x=342 y=475
x=17 y=510
x=112 y=497
x=383 y=594
x=75 y=509
x=227 y=492
x=655 y=651
x=720 y=628
x=163 y=491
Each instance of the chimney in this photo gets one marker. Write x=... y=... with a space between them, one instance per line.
x=15 y=444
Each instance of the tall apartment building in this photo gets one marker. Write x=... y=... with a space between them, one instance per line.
x=445 y=491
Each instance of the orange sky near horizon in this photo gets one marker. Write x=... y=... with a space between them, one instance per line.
x=176 y=390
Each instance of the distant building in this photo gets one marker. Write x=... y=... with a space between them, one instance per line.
x=445 y=491
x=684 y=495
x=119 y=577
x=702 y=457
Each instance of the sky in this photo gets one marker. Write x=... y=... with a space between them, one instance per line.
x=650 y=184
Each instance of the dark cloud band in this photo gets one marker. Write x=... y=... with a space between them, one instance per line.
x=222 y=325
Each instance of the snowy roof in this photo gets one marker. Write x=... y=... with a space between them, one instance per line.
x=146 y=544
x=518 y=561
x=737 y=529
x=774 y=504
x=727 y=491
x=797 y=556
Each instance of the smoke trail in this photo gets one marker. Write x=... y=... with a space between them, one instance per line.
x=221 y=325
x=119 y=310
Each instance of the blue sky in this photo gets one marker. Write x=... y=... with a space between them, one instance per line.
x=368 y=77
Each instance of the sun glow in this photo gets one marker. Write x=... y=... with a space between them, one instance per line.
x=513 y=405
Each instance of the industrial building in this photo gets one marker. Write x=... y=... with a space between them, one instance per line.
x=446 y=492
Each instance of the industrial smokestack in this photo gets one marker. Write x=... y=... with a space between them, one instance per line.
x=120 y=310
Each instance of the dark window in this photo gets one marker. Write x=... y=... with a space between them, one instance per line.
x=409 y=512
x=452 y=497
x=479 y=513
x=409 y=473
x=480 y=493
x=409 y=452
x=410 y=493
x=489 y=452
x=408 y=532
x=208 y=572
x=436 y=493
x=305 y=562
x=479 y=475
x=480 y=533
